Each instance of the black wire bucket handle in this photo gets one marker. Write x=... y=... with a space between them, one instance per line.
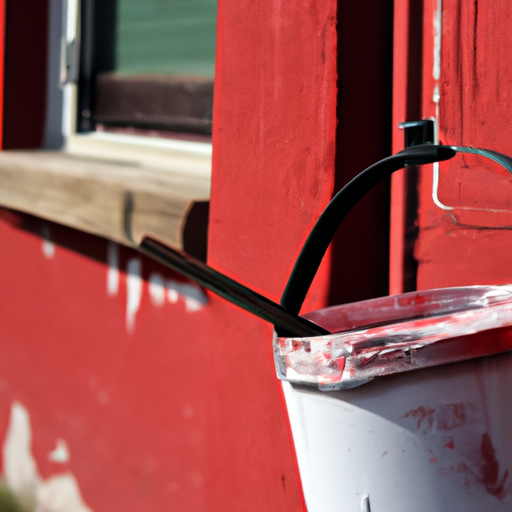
x=285 y=316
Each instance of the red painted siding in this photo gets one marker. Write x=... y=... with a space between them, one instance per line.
x=183 y=412
x=273 y=172
x=475 y=100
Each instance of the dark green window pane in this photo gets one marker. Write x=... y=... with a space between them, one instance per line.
x=166 y=36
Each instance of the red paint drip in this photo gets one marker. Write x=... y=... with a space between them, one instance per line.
x=422 y=414
x=445 y=417
x=450 y=445
x=491 y=469
x=451 y=416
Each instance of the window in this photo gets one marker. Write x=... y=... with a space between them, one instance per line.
x=107 y=66
x=147 y=66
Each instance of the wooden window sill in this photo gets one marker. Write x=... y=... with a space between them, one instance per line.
x=113 y=194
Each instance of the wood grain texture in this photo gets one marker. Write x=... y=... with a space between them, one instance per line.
x=116 y=200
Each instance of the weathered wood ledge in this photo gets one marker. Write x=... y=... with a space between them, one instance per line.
x=118 y=200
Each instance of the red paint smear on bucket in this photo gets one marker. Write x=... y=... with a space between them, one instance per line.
x=491 y=469
x=445 y=417
x=454 y=416
x=422 y=414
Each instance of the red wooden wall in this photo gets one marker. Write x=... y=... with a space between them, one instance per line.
x=173 y=406
x=273 y=170
x=473 y=90
x=160 y=402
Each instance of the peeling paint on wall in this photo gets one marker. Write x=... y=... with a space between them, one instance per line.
x=134 y=291
x=157 y=289
x=172 y=292
x=20 y=468
x=160 y=290
x=59 y=493
x=195 y=298
x=60 y=454
x=48 y=246
x=113 y=269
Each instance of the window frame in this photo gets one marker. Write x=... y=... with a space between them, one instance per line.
x=173 y=175
x=148 y=101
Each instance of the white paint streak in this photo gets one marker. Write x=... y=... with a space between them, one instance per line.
x=113 y=269
x=157 y=289
x=192 y=305
x=438 y=23
x=60 y=493
x=172 y=292
x=20 y=468
x=47 y=245
x=194 y=297
x=134 y=291
x=435 y=188
x=60 y=454
x=436 y=96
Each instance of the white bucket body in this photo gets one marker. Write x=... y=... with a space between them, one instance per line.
x=433 y=440
x=424 y=436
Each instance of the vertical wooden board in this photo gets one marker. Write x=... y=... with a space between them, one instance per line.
x=398 y=182
x=274 y=134
x=411 y=56
x=475 y=110
x=476 y=94
x=273 y=171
